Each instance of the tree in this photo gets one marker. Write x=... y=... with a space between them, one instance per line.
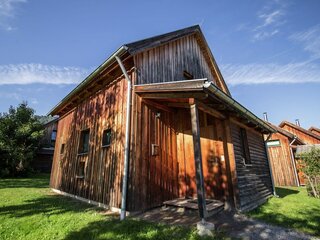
x=311 y=169
x=20 y=134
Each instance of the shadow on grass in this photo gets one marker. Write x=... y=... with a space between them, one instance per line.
x=37 y=181
x=49 y=205
x=129 y=229
x=283 y=192
x=108 y=228
x=307 y=220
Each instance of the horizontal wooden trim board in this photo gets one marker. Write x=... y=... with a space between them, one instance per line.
x=98 y=204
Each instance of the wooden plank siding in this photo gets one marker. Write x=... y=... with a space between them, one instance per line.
x=212 y=150
x=281 y=162
x=153 y=177
x=103 y=165
x=300 y=134
x=161 y=165
x=168 y=62
x=254 y=180
x=307 y=137
x=315 y=131
x=46 y=140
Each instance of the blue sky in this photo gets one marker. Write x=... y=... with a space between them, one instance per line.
x=268 y=51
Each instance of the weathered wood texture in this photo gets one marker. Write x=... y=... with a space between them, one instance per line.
x=103 y=165
x=153 y=160
x=48 y=129
x=168 y=62
x=281 y=162
x=315 y=130
x=44 y=157
x=212 y=150
x=308 y=139
x=254 y=180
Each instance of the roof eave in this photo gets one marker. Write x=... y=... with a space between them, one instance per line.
x=217 y=92
x=77 y=89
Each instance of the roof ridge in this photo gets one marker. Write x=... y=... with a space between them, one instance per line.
x=299 y=128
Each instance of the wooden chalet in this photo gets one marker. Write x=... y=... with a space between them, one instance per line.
x=44 y=157
x=306 y=136
x=156 y=122
x=315 y=130
x=282 y=147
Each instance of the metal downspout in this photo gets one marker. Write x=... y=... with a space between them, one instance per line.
x=270 y=169
x=293 y=161
x=127 y=143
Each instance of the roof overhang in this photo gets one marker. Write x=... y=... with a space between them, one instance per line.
x=203 y=90
x=88 y=79
x=305 y=131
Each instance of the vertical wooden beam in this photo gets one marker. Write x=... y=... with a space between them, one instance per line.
x=231 y=163
x=198 y=159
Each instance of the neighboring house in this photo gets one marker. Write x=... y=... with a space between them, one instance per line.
x=315 y=130
x=187 y=137
x=306 y=136
x=282 y=146
x=44 y=158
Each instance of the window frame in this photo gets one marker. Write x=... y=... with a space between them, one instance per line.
x=81 y=170
x=81 y=148
x=53 y=133
x=245 y=147
x=62 y=148
x=103 y=138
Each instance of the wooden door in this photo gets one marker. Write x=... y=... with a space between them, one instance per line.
x=162 y=163
x=212 y=150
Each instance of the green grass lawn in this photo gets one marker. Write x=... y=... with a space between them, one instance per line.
x=293 y=209
x=29 y=210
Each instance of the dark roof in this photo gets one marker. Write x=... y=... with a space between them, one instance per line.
x=140 y=46
x=285 y=133
x=299 y=129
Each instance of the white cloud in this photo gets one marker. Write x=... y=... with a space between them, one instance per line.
x=302 y=72
x=310 y=39
x=39 y=73
x=7 y=12
x=269 y=19
x=265 y=34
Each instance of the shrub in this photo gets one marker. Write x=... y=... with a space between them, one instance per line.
x=311 y=169
x=20 y=132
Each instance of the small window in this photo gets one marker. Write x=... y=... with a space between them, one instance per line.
x=54 y=135
x=106 y=138
x=81 y=170
x=245 y=146
x=84 y=141
x=62 y=148
x=53 y=138
x=273 y=143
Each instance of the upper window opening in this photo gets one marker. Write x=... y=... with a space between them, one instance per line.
x=106 y=137
x=62 y=148
x=245 y=146
x=84 y=141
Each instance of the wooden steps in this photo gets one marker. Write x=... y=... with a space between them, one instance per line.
x=191 y=205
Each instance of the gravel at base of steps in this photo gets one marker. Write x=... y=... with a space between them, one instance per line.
x=240 y=226
x=235 y=225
